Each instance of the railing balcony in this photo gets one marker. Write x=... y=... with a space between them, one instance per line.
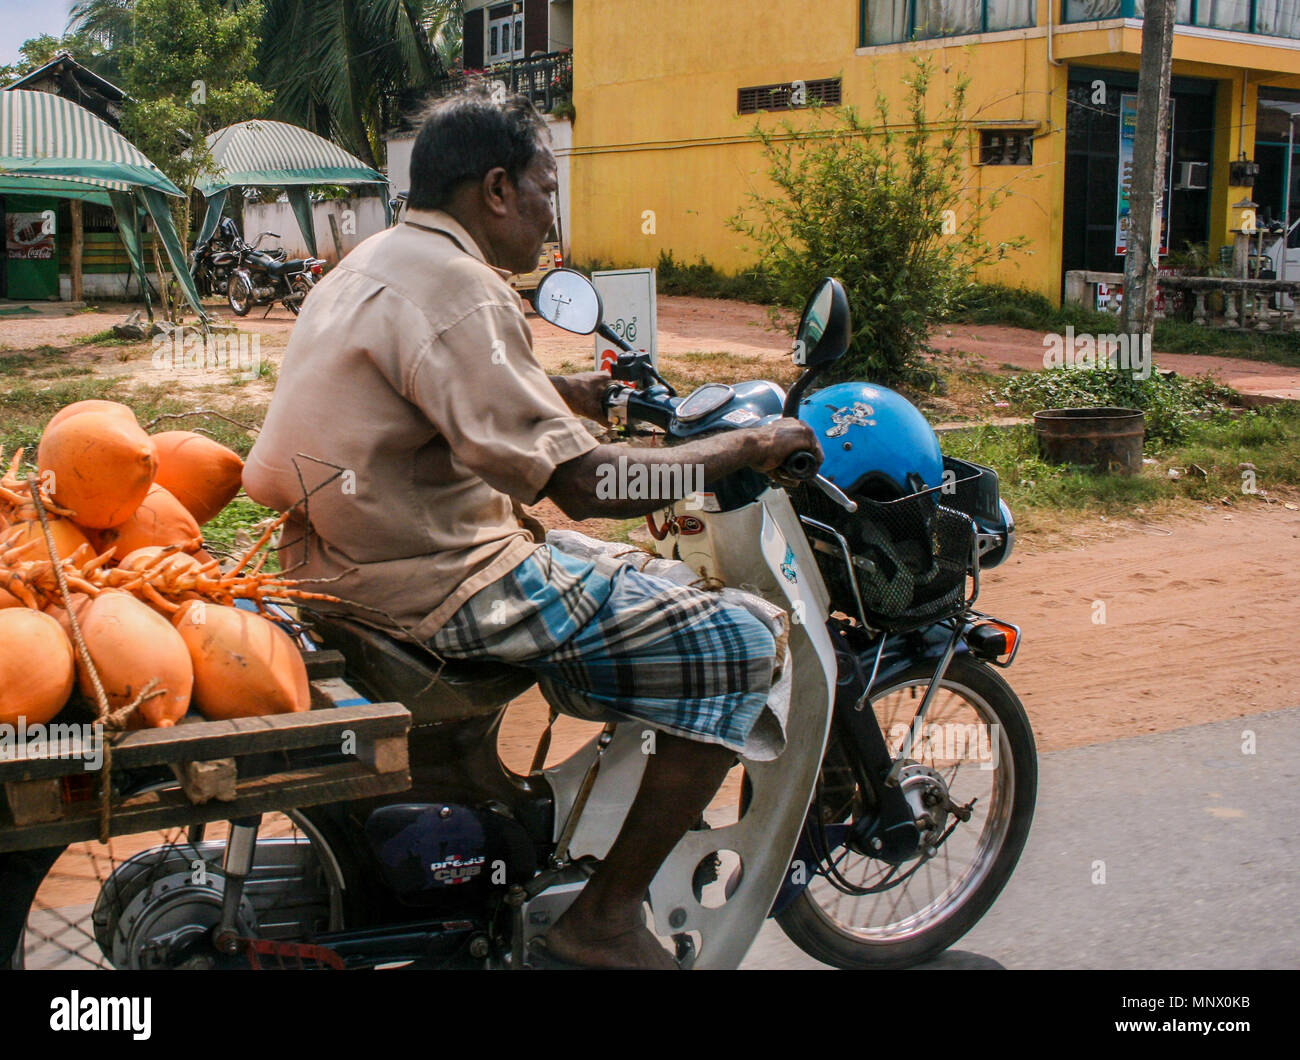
x=1226 y=302
x=544 y=79
x=1269 y=18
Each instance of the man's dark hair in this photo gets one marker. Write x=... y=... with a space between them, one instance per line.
x=464 y=136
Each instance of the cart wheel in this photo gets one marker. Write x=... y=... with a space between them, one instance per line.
x=150 y=900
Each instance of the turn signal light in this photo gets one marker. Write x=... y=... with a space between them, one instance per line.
x=992 y=639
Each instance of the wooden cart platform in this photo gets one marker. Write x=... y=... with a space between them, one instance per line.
x=344 y=748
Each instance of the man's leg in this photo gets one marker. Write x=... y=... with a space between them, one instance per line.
x=603 y=926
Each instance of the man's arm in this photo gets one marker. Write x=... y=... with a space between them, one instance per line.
x=575 y=485
x=583 y=392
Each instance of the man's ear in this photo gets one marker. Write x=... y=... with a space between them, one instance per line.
x=498 y=191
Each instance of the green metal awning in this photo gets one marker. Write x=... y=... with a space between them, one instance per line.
x=274 y=153
x=44 y=136
x=52 y=145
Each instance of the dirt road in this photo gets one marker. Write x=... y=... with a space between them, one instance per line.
x=1162 y=626
x=687 y=326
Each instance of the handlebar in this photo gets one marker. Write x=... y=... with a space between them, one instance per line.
x=801 y=465
x=623 y=405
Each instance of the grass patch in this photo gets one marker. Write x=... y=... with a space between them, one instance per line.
x=1169 y=402
x=1018 y=308
x=1182 y=336
x=686 y=371
x=65 y=371
x=1267 y=438
x=16 y=363
x=240 y=516
x=26 y=407
x=105 y=338
x=706 y=281
x=701 y=279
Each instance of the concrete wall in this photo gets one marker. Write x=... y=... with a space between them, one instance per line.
x=113 y=285
x=367 y=218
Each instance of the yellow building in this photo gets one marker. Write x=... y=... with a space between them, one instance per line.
x=666 y=94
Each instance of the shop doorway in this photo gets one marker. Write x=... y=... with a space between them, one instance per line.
x=1092 y=230
x=1277 y=188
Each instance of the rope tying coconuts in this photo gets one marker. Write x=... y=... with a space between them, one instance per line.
x=105 y=587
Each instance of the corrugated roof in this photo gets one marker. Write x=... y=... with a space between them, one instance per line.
x=273 y=152
x=47 y=137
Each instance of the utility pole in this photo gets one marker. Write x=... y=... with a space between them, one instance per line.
x=1150 y=152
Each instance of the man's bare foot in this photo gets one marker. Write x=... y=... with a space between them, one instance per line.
x=634 y=947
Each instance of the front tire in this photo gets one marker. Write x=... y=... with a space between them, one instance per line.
x=240 y=296
x=829 y=925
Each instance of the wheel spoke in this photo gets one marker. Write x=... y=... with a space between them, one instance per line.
x=914 y=897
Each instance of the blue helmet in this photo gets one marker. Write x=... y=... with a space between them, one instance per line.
x=875 y=441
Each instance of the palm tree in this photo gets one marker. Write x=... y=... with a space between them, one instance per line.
x=349 y=69
x=106 y=23
x=346 y=69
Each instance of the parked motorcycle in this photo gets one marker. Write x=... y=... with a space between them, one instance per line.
x=215 y=259
x=262 y=278
x=882 y=833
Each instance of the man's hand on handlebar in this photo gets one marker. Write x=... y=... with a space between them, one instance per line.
x=777 y=442
x=584 y=393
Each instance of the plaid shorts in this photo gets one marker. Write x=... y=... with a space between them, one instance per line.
x=609 y=643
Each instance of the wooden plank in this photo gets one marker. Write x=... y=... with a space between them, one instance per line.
x=204 y=781
x=170 y=809
x=322 y=664
x=78 y=245
x=208 y=740
x=280 y=732
x=34 y=801
x=387 y=755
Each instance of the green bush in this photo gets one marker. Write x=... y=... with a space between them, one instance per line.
x=881 y=204
x=1168 y=401
x=705 y=281
x=990 y=303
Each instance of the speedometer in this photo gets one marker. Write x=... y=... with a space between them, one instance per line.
x=707 y=399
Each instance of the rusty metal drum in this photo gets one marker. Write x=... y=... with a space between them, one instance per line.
x=1105 y=439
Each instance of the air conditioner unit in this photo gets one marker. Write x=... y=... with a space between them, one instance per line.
x=1192 y=176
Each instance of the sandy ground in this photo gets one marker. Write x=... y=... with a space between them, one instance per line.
x=1163 y=625
x=687 y=326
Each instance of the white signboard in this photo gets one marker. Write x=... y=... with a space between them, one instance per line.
x=628 y=299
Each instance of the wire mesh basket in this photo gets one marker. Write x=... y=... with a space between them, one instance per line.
x=908 y=559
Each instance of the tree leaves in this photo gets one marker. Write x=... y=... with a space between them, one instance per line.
x=866 y=200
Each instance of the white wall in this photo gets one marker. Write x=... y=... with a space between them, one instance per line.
x=367 y=218
x=115 y=285
x=398 y=169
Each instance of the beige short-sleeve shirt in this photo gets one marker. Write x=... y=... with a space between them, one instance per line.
x=410 y=381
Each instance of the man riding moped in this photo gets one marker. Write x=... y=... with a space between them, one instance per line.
x=409 y=389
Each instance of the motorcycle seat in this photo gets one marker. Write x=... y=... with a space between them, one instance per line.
x=394 y=671
x=275 y=268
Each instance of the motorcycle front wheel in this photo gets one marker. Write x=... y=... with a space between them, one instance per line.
x=239 y=294
x=974 y=751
